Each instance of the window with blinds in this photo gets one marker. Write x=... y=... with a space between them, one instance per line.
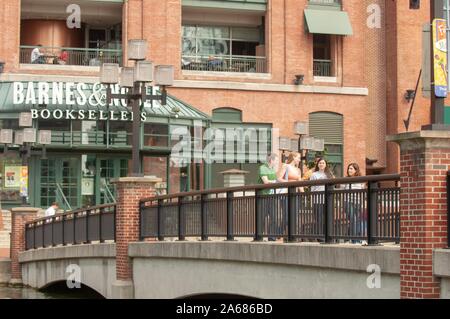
x=330 y=127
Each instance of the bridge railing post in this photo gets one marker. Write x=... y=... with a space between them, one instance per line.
x=230 y=234
x=372 y=212
x=328 y=214
x=203 y=218
x=292 y=214
x=160 y=221
x=258 y=217
x=181 y=220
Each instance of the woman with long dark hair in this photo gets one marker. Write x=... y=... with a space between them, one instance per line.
x=322 y=171
x=353 y=201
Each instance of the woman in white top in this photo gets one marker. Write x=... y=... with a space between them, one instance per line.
x=322 y=171
x=354 y=204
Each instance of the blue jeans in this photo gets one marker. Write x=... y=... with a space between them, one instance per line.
x=358 y=226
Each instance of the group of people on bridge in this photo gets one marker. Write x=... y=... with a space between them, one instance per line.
x=293 y=170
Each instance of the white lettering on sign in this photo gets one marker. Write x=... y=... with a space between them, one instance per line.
x=43 y=89
x=18 y=97
x=58 y=93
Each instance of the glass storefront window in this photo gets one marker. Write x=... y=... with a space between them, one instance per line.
x=12 y=124
x=156 y=135
x=120 y=133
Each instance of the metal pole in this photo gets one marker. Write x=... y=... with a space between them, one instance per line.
x=136 y=144
x=230 y=235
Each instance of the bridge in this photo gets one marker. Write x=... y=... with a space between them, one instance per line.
x=214 y=242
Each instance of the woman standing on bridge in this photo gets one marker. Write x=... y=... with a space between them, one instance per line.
x=353 y=204
x=322 y=171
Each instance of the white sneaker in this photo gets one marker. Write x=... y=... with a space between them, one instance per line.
x=364 y=243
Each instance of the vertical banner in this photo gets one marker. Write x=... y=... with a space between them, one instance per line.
x=440 y=57
x=24 y=181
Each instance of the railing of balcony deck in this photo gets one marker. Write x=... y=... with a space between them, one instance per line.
x=75 y=56
x=322 y=67
x=224 y=63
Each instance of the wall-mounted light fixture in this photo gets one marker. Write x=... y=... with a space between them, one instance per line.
x=410 y=95
x=299 y=79
x=414 y=4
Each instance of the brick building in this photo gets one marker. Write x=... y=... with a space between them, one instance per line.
x=341 y=65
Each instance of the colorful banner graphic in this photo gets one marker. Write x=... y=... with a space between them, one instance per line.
x=24 y=181
x=440 y=57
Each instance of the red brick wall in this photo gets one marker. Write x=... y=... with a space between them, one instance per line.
x=127 y=221
x=18 y=220
x=423 y=224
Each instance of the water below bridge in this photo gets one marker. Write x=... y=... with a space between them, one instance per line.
x=58 y=291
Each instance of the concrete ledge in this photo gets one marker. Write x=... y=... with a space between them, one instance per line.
x=441 y=262
x=56 y=67
x=347 y=257
x=67 y=252
x=246 y=86
x=123 y=289
x=24 y=210
x=5 y=271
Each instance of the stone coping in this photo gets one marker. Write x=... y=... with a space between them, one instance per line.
x=346 y=257
x=441 y=262
x=107 y=250
x=137 y=180
x=25 y=209
x=418 y=135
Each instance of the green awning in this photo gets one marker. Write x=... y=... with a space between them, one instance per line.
x=328 y=22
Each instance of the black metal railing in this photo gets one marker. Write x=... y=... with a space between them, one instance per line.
x=81 y=226
x=338 y=209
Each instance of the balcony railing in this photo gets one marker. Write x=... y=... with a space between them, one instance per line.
x=224 y=63
x=75 y=56
x=322 y=67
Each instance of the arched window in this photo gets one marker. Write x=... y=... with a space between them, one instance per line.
x=330 y=127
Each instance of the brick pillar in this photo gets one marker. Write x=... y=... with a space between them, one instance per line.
x=129 y=191
x=424 y=162
x=19 y=216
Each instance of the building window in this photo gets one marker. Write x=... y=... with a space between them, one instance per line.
x=330 y=127
x=249 y=152
x=322 y=55
x=222 y=48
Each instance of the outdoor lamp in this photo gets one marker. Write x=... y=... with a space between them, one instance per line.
x=127 y=77
x=137 y=50
x=6 y=136
x=25 y=119
x=301 y=128
x=29 y=135
x=410 y=95
x=143 y=71
x=299 y=79
x=18 y=138
x=294 y=145
x=285 y=143
x=164 y=75
x=45 y=137
x=109 y=73
x=307 y=143
x=319 y=145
